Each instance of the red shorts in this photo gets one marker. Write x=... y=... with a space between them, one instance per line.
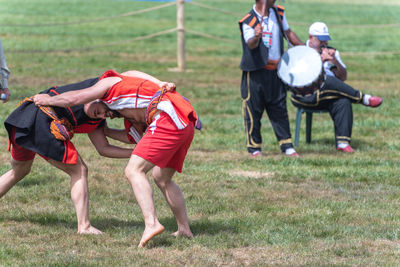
x=18 y=152
x=164 y=144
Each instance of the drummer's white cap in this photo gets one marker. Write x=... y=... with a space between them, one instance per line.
x=319 y=30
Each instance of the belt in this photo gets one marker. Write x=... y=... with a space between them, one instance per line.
x=272 y=64
x=152 y=110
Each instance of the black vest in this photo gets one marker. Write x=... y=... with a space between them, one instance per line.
x=257 y=58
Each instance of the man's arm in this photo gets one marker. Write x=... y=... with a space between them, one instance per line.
x=131 y=135
x=330 y=54
x=340 y=71
x=78 y=97
x=254 y=41
x=103 y=147
x=293 y=38
x=138 y=74
x=117 y=134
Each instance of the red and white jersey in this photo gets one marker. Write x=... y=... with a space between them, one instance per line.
x=133 y=92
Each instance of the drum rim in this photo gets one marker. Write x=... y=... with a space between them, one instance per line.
x=307 y=84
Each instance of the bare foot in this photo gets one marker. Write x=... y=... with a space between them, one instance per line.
x=187 y=234
x=90 y=231
x=149 y=233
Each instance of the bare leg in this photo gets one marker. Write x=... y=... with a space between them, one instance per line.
x=19 y=170
x=175 y=199
x=136 y=174
x=79 y=193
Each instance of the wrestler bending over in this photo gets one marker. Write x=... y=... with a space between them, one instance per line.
x=29 y=134
x=145 y=100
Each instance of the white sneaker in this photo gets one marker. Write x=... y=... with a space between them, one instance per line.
x=256 y=153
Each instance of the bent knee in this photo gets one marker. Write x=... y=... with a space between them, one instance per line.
x=84 y=168
x=131 y=172
x=137 y=166
x=81 y=170
x=128 y=172
x=159 y=182
x=21 y=168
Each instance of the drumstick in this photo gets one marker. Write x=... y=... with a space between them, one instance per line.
x=263 y=10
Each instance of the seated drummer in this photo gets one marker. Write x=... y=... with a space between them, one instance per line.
x=334 y=95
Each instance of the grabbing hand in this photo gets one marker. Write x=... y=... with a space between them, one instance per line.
x=258 y=31
x=5 y=92
x=169 y=86
x=41 y=99
x=327 y=54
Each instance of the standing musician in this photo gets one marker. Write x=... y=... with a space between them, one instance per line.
x=262 y=31
x=334 y=95
x=47 y=131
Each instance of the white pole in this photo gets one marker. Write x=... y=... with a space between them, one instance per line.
x=181 y=34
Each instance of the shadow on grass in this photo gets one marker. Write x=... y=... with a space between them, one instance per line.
x=42 y=218
x=200 y=227
x=65 y=221
x=110 y=224
x=214 y=227
x=203 y=226
x=329 y=143
x=32 y=181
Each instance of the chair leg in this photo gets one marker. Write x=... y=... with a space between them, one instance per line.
x=298 y=124
x=308 y=126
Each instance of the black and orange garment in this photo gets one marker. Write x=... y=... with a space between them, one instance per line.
x=252 y=59
x=255 y=59
x=33 y=126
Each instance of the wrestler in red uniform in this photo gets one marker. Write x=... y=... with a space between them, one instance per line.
x=29 y=133
x=157 y=146
x=162 y=149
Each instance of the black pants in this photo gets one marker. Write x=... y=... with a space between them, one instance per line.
x=262 y=90
x=336 y=97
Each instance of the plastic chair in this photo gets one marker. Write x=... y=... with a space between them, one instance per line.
x=309 y=114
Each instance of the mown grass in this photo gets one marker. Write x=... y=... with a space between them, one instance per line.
x=325 y=208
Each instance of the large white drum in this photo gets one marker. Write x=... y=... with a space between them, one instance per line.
x=300 y=69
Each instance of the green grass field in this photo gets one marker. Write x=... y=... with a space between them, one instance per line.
x=324 y=209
